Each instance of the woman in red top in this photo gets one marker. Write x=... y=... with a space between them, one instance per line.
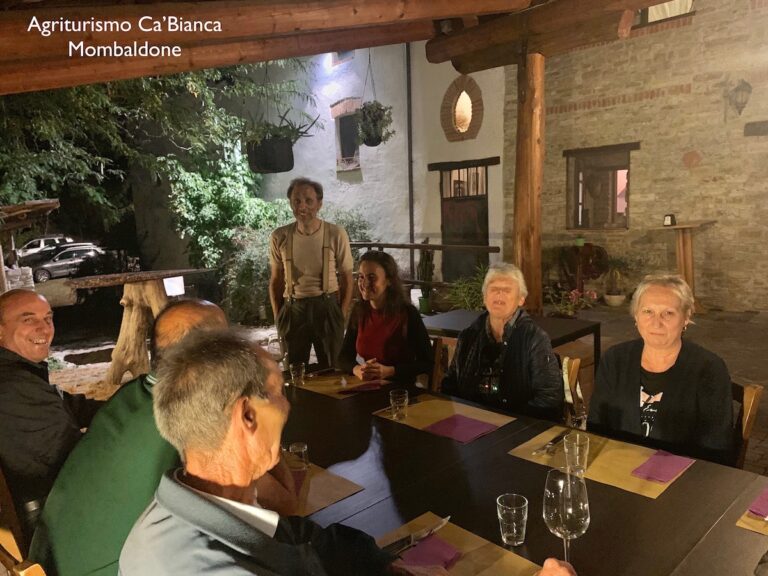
x=386 y=338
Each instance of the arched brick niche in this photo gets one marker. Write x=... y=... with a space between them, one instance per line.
x=455 y=128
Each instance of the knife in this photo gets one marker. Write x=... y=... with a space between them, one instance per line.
x=550 y=446
x=402 y=544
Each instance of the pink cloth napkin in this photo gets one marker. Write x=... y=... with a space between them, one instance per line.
x=366 y=387
x=461 y=428
x=759 y=506
x=662 y=467
x=432 y=551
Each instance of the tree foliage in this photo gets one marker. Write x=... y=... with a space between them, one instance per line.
x=78 y=144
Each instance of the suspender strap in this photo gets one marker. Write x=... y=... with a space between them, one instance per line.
x=288 y=265
x=326 y=257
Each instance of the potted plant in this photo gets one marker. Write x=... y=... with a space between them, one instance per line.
x=567 y=303
x=373 y=122
x=466 y=293
x=270 y=146
x=614 y=281
x=425 y=272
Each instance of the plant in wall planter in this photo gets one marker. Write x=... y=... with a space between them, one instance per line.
x=270 y=146
x=373 y=123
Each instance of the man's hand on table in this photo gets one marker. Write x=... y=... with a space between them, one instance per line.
x=276 y=490
x=397 y=568
x=554 y=567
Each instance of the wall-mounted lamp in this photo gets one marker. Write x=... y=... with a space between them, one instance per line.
x=739 y=95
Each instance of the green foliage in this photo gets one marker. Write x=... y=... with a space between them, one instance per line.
x=247 y=270
x=373 y=122
x=78 y=144
x=211 y=203
x=285 y=128
x=467 y=292
x=425 y=269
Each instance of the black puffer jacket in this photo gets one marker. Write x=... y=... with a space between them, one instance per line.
x=530 y=381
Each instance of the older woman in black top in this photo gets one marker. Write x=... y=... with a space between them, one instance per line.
x=661 y=389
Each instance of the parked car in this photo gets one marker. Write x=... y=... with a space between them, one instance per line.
x=50 y=251
x=48 y=241
x=65 y=263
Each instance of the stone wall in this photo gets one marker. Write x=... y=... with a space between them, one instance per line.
x=666 y=87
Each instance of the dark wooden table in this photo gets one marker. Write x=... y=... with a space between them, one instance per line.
x=405 y=472
x=560 y=330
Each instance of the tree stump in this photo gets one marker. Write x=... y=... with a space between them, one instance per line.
x=141 y=302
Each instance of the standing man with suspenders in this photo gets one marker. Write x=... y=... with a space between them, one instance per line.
x=310 y=286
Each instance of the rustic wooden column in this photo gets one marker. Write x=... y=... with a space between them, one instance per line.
x=141 y=302
x=529 y=170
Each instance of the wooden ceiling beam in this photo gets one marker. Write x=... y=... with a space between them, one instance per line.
x=554 y=18
x=606 y=28
x=47 y=73
x=240 y=19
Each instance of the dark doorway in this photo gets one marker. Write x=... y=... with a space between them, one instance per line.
x=464 y=216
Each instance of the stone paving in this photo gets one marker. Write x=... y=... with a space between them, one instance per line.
x=740 y=338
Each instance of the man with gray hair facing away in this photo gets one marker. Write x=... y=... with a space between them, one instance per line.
x=310 y=285
x=219 y=400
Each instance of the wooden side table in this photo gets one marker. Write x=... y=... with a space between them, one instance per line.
x=684 y=251
x=143 y=299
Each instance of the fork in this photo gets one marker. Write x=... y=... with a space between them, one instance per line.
x=550 y=447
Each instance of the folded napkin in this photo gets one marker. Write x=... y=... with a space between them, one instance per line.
x=662 y=467
x=461 y=428
x=366 y=387
x=432 y=551
x=759 y=506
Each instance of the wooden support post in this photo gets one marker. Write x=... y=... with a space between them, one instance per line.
x=3 y=281
x=141 y=302
x=529 y=170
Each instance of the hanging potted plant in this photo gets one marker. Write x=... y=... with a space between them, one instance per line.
x=270 y=146
x=373 y=123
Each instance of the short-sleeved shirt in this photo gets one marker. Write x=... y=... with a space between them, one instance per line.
x=307 y=271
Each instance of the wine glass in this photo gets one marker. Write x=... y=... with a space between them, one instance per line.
x=566 y=507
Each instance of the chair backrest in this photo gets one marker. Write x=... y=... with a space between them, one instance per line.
x=575 y=408
x=443 y=350
x=748 y=397
x=10 y=516
x=16 y=568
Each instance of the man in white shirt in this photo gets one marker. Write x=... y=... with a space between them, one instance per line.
x=310 y=286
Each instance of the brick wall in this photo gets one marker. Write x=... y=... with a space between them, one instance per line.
x=666 y=87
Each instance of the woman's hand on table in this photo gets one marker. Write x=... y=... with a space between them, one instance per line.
x=372 y=370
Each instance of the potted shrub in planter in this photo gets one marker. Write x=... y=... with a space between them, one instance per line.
x=373 y=122
x=425 y=272
x=614 y=281
x=466 y=293
x=270 y=146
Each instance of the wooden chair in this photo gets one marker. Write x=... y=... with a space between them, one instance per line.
x=10 y=516
x=748 y=397
x=443 y=349
x=16 y=568
x=575 y=406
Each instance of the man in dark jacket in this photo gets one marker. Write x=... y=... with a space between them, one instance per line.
x=39 y=424
x=504 y=359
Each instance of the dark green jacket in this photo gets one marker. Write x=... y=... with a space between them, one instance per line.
x=105 y=484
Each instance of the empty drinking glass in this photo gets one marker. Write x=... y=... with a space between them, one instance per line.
x=576 y=446
x=299 y=456
x=512 y=510
x=398 y=402
x=297 y=373
x=566 y=506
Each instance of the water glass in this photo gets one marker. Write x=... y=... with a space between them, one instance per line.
x=398 y=402
x=299 y=456
x=512 y=510
x=576 y=446
x=297 y=373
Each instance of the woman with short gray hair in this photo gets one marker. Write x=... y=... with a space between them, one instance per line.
x=662 y=389
x=504 y=359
